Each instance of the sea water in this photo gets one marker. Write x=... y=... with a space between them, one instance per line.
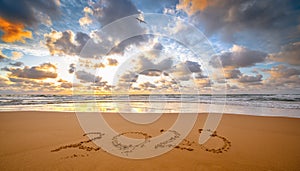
x=287 y=105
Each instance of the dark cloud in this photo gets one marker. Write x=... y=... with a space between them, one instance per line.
x=136 y=40
x=238 y=57
x=72 y=68
x=146 y=64
x=86 y=77
x=104 y=41
x=129 y=77
x=232 y=74
x=66 y=85
x=231 y=87
x=233 y=16
x=158 y=46
x=289 y=54
x=126 y=80
x=5 y=69
x=184 y=70
x=27 y=11
x=250 y=79
x=193 y=66
x=108 y=11
x=200 y=75
x=151 y=72
x=283 y=71
x=21 y=80
x=65 y=42
x=283 y=77
x=205 y=82
x=102 y=86
x=17 y=64
x=147 y=86
x=42 y=71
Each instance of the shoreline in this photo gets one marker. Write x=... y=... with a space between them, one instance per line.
x=239 y=114
x=55 y=141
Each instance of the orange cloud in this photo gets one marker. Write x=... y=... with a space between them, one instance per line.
x=192 y=6
x=13 y=32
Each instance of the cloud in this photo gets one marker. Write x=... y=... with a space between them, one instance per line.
x=3 y=58
x=282 y=77
x=250 y=79
x=112 y=62
x=87 y=77
x=121 y=47
x=237 y=57
x=17 y=64
x=183 y=71
x=87 y=10
x=72 y=68
x=147 y=86
x=108 y=11
x=28 y=49
x=201 y=83
x=232 y=74
x=151 y=72
x=289 y=54
x=66 y=85
x=3 y=81
x=16 y=55
x=28 y=12
x=86 y=20
x=65 y=42
x=13 y=32
x=283 y=71
x=146 y=64
x=5 y=69
x=6 y=59
x=227 y=18
x=25 y=85
x=129 y=77
x=43 y=71
x=193 y=67
x=99 y=65
x=191 y=6
x=126 y=80
x=231 y=87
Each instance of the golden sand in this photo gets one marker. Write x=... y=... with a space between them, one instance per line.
x=55 y=141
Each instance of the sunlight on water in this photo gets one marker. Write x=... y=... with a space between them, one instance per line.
x=265 y=105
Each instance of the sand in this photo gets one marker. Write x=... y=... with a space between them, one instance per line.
x=55 y=141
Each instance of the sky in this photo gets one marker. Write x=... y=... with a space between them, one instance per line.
x=184 y=46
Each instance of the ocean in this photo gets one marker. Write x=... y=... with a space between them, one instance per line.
x=286 y=105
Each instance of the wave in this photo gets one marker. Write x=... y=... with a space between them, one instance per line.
x=284 y=101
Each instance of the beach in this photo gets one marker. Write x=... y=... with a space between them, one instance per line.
x=55 y=141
